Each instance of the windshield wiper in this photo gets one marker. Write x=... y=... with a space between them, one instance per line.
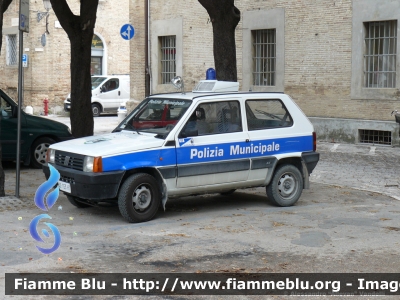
x=268 y=114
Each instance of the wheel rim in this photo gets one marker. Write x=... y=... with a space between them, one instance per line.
x=141 y=198
x=40 y=152
x=95 y=110
x=287 y=185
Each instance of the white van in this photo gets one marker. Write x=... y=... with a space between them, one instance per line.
x=108 y=91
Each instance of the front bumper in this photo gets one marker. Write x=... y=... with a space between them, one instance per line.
x=67 y=106
x=89 y=186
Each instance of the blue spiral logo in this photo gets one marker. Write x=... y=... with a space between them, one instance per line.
x=45 y=187
x=34 y=233
x=46 y=203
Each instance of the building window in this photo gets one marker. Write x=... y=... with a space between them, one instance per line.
x=264 y=57
x=263 y=51
x=168 y=58
x=11 y=50
x=96 y=65
x=97 y=52
x=380 y=54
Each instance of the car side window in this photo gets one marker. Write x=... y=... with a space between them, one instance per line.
x=266 y=114
x=5 y=108
x=214 y=118
x=110 y=85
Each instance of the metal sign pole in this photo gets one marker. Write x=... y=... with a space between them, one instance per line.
x=23 y=27
x=20 y=87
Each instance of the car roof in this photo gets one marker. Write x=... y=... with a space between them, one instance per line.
x=194 y=95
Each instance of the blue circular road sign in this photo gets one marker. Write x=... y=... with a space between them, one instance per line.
x=127 y=31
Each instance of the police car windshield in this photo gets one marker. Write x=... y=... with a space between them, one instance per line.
x=96 y=81
x=155 y=115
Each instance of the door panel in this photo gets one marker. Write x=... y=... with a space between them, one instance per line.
x=210 y=156
x=111 y=94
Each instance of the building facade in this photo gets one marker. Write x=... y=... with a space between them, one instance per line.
x=47 y=75
x=338 y=59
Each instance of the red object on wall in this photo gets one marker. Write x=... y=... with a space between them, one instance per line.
x=46 y=106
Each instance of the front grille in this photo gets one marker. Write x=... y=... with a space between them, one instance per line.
x=69 y=160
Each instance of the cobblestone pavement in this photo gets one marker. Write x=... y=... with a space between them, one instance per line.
x=333 y=228
x=370 y=168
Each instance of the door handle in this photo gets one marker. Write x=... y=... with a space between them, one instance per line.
x=119 y=93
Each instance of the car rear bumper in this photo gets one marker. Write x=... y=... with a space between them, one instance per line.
x=90 y=186
x=310 y=159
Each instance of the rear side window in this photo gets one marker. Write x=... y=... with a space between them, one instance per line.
x=266 y=114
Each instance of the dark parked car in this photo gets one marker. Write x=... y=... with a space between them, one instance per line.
x=37 y=133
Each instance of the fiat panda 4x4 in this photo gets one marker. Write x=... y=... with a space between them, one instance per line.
x=211 y=140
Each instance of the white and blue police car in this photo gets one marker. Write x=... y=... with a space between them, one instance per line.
x=214 y=139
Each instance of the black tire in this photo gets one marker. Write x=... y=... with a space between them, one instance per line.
x=227 y=193
x=38 y=151
x=286 y=186
x=139 y=198
x=73 y=201
x=96 y=110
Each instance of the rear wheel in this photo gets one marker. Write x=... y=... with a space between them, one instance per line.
x=139 y=198
x=286 y=186
x=96 y=109
x=75 y=202
x=38 y=152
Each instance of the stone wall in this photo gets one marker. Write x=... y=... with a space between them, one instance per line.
x=317 y=52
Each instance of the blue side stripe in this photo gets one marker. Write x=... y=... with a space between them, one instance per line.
x=213 y=152
x=145 y=158
x=238 y=150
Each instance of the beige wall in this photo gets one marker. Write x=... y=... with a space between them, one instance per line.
x=48 y=73
x=317 y=51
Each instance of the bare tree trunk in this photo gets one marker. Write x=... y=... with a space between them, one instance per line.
x=4 y=4
x=80 y=30
x=224 y=16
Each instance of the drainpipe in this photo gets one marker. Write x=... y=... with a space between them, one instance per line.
x=147 y=48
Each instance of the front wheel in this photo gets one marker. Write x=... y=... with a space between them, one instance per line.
x=286 y=186
x=96 y=110
x=139 y=198
x=38 y=152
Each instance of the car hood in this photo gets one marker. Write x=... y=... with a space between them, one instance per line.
x=110 y=144
x=46 y=125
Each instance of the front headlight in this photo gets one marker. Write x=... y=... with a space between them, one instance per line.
x=92 y=164
x=50 y=155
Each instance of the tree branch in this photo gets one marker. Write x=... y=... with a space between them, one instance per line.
x=64 y=15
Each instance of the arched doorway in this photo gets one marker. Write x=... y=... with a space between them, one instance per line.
x=97 y=65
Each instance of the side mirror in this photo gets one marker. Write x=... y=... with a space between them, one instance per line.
x=14 y=111
x=102 y=89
